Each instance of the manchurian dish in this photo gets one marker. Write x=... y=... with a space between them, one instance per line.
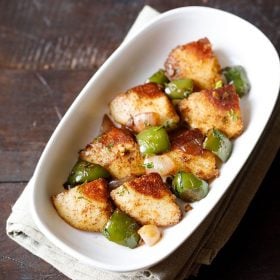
x=159 y=149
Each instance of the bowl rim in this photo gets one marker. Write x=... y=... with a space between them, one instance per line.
x=49 y=235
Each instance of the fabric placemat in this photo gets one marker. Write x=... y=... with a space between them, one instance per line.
x=200 y=248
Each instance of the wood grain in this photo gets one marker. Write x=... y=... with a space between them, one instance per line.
x=48 y=50
x=69 y=35
x=65 y=35
x=245 y=257
x=16 y=262
x=32 y=104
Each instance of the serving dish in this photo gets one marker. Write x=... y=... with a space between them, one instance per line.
x=235 y=41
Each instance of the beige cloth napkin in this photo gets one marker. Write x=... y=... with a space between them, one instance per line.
x=200 y=248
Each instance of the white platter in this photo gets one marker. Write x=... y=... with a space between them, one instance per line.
x=235 y=41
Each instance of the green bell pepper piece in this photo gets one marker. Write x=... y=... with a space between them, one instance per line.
x=218 y=143
x=84 y=171
x=158 y=78
x=122 y=229
x=179 y=89
x=189 y=187
x=153 y=140
x=237 y=76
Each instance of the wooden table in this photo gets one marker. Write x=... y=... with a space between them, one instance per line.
x=48 y=50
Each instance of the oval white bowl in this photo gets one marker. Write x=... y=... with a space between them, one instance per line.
x=235 y=41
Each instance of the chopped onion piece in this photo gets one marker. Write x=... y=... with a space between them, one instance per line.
x=150 y=234
x=161 y=164
x=143 y=120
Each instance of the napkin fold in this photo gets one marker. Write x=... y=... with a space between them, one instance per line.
x=201 y=248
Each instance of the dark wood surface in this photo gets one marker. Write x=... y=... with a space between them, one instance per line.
x=48 y=50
